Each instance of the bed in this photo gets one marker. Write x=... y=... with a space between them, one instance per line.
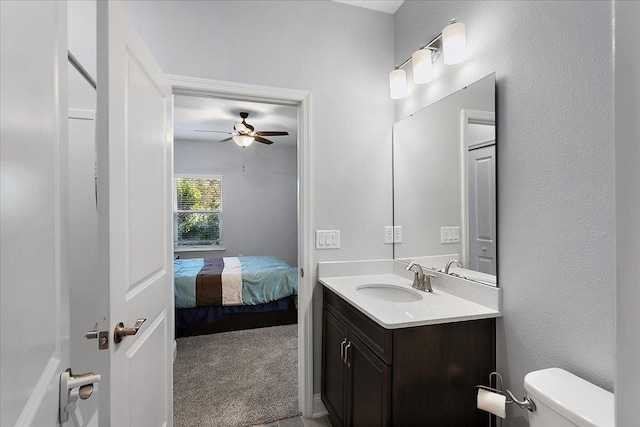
x=231 y=293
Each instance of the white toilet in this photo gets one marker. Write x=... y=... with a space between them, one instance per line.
x=565 y=400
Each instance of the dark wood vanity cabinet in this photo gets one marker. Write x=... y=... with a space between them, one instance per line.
x=418 y=376
x=355 y=381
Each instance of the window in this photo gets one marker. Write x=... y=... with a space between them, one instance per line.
x=197 y=210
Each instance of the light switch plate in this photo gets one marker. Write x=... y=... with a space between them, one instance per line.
x=327 y=239
x=450 y=235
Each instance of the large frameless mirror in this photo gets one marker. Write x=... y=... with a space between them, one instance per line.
x=444 y=184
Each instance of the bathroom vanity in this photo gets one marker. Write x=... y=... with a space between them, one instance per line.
x=403 y=363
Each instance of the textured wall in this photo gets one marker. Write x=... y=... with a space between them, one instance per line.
x=259 y=205
x=553 y=63
x=342 y=54
x=627 y=127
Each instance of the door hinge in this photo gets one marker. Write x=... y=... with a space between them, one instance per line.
x=301 y=272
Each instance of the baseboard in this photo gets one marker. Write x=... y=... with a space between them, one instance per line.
x=319 y=409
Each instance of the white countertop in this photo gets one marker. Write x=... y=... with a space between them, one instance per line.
x=434 y=308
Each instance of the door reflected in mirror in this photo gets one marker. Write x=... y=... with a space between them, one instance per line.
x=444 y=183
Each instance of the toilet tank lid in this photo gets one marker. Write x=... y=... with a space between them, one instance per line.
x=579 y=401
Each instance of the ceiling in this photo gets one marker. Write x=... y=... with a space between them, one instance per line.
x=387 y=6
x=196 y=112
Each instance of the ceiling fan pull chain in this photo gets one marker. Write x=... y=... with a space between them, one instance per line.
x=242 y=159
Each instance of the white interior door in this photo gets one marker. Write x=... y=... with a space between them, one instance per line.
x=34 y=299
x=134 y=130
x=482 y=209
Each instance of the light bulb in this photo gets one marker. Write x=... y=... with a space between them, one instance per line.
x=243 y=140
x=454 y=43
x=397 y=84
x=422 y=66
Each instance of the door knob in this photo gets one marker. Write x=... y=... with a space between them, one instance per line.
x=121 y=332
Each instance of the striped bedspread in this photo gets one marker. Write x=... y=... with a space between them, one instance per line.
x=203 y=282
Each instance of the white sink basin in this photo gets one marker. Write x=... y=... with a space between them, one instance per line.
x=389 y=293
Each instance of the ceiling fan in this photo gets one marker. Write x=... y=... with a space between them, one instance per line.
x=245 y=134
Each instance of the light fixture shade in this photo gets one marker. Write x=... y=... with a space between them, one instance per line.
x=422 y=66
x=454 y=44
x=397 y=84
x=243 y=140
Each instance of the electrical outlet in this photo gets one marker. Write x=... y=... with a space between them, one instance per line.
x=397 y=234
x=388 y=234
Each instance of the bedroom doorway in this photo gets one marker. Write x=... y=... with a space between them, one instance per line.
x=264 y=212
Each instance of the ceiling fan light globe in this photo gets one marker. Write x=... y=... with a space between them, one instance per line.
x=243 y=140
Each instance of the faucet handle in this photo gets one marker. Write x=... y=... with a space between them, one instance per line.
x=426 y=282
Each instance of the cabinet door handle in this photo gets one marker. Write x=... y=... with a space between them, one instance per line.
x=342 y=349
x=346 y=355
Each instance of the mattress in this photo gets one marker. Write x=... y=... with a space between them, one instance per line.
x=230 y=281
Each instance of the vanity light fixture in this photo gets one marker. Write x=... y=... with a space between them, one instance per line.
x=454 y=51
x=454 y=43
x=398 y=83
x=422 y=62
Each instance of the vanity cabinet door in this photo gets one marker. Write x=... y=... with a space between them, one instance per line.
x=334 y=339
x=368 y=387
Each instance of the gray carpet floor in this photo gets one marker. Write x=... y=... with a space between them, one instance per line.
x=236 y=379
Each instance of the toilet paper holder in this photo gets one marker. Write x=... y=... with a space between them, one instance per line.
x=527 y=403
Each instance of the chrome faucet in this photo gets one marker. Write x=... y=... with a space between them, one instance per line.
x=453 y=261
x=421 y=281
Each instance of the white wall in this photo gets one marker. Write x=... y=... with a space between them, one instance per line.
x=342 y=54
x=554 y=107
x=627 y=128
x=259 y=205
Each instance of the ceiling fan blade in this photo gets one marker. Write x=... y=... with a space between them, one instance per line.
x=213 y=131
x=264 y=141
x=227 y=139
x=272 y=133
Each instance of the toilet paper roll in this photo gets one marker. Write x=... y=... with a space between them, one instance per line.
x=492 y=402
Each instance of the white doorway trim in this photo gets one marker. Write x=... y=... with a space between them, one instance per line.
x=301 y=99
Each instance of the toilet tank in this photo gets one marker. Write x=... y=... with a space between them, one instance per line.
x=565 y=400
